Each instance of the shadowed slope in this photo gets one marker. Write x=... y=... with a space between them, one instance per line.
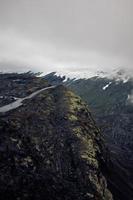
x=51 y=149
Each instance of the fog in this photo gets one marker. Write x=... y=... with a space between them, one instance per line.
x=73 y=36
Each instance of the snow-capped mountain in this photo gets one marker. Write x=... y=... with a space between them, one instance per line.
x=116 y=74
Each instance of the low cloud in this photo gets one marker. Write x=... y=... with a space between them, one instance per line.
x=75 y=37
x=19 y=54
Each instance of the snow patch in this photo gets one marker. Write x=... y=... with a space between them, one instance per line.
x=19 y=102
x=4 y=97
x=117 y=75
x=65 y=80
x=106 y=86
x=130 y=98
x=16 y=98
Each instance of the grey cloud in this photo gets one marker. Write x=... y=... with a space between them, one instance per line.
x=70 y=36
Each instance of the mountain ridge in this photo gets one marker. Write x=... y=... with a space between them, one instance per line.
x=51 y=148
x=117 y=75
x=110 y=102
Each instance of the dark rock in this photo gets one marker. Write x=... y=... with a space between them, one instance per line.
x=50 y=148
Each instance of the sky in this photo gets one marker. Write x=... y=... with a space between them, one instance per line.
x=67 y=36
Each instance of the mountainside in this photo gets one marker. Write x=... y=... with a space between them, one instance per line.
x=111 y=106
x=110 y=100
x=14 y=86
x=50 y=146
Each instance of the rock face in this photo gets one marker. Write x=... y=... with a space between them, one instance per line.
x=51 y=149
x=111 y=103
x=113 y=111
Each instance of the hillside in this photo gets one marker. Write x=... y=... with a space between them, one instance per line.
x=110 y=101
x=50 y=147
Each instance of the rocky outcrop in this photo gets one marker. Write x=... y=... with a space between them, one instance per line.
x=51 y=149
x=111 y=103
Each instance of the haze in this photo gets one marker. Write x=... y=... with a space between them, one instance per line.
x=73 y=36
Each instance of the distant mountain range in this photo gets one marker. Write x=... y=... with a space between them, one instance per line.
x=121 y=74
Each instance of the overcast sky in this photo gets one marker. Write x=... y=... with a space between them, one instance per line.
x=66 y=35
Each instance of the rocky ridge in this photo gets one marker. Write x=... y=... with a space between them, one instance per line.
x=110 y=101
x=51 y=149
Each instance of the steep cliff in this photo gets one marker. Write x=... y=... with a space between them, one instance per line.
x=51 y=149
x=110 y=101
